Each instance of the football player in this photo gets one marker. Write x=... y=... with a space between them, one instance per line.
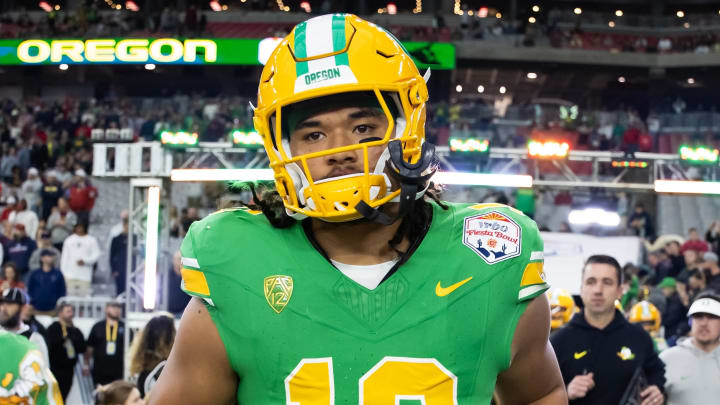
x=562 y=307
x=351 y=283
x=26 y=379
x=648 y=316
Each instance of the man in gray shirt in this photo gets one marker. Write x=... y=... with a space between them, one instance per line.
x=693 y=366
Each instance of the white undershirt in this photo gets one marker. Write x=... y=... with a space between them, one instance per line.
x=367 y=276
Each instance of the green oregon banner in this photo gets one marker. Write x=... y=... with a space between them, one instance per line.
x=201 y=51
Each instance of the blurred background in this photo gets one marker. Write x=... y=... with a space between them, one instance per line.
x=598 y=119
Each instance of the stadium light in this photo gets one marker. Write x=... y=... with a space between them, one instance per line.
x=469 y=145
x=632 y=164
x=503 y=89
x=680 y=14
x=690 y=80
x=619 y=13
x=532 y=20
x=458 y=88
x=391 y=8
x=536 y=8
x=178 y=139
x=611 y=24
x=699 y=155
x=57 y=7
x=548 y=149
x=151 y=247
x=483 y=179
x=305 y=5
x=532 y=75
x=63 y=66
x=577 y=10
x=686 y=25
x=249 y=139
x=482 y=12
x=131 y=5
x=594 y=216
x=418 y=7
x=687 y=187
x=481 y=89
x=498 y=15
x=621 y=79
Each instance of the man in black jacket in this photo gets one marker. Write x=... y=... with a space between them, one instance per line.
x=65 y=344
x=599 y=350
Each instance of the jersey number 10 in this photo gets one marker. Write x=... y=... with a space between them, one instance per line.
x=389 y=381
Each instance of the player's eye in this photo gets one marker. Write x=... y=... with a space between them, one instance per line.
x=364 y=129
x=313 y=136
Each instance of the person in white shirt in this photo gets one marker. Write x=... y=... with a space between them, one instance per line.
x=693 y=366
x=30 y=190
x=26 y=217
x=79 y=253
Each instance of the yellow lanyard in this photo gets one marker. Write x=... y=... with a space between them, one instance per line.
x=64 y=330
x=110 y=332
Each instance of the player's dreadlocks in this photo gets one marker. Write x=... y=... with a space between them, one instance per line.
x=266 y=199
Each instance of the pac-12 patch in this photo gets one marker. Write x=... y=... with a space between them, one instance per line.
x=493 y=236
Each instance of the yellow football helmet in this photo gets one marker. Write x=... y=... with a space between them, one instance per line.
x=326 y=56
x=562 y=307
x=647 y=314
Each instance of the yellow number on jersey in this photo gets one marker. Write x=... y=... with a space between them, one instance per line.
x=389 y=381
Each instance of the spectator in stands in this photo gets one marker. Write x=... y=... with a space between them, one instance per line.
x=82 y=197
x=26 y=217
x=177 y=298
x=31 y=189
x=61 y=223
x=19 y=250
x=693 y=365
x=590 y=369
x=661 y=264
x=118 y=258
x=11 y=305
x=65 y=344
x=44 y=243
x=712 y=236
x=150 y=350
x=105 y=346
x=187 y=217
x=61 y=171
x=118 y=393
x=9 y=162
x=641 y=224
x=80 y=252
x=46 y=284
x=10 y=278
x=50 y=193
x=10 y=207
x=712 y=271
x=673 y=316
x=673 y=249
x=694 y=242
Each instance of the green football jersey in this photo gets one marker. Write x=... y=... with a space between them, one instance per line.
x=24 y=377
x=298 y=331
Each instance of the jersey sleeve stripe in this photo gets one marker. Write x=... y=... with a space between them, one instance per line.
x=532 y=291
x=532 y=275
x=190 y=262
x=194 y=282
x=534 y=256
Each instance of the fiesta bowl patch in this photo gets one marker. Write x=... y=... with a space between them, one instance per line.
x=493 y=236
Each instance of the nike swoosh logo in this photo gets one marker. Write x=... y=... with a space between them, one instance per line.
x=580 y=355
x=441 y=291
